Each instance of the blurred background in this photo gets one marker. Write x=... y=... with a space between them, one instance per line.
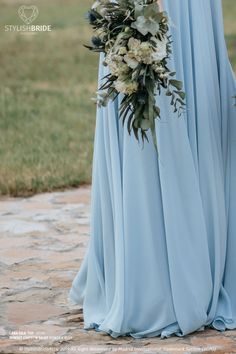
x=47 y=117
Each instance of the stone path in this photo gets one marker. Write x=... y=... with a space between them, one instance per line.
x=43 y=240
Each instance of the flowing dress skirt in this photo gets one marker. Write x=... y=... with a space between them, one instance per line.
x=161 y=258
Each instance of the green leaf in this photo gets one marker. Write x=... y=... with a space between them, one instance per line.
x=180 y=101
x=144 y=136
x=136 y=133
x=154 y=137
x=129 y=122
x=135 y=123
x=150 y=108
x=157 y=111
x=177 y=84
x=181 y=94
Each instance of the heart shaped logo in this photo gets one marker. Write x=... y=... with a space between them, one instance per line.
x=28 y=13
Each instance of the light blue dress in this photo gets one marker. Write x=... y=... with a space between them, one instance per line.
x=162 y=249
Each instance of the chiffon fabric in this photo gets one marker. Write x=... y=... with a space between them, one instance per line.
x=161 y=258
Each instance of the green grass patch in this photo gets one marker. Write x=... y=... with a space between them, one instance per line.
x=47 y=118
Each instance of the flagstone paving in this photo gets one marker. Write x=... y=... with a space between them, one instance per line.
x=43 y=241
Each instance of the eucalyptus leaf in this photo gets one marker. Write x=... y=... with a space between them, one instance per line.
x=177 y=84
x=145 y=26
x=181 y=94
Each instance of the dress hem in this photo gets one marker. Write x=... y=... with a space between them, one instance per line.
x=226 y=324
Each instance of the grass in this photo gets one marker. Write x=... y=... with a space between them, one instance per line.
x=47 y=118
x=229 y=7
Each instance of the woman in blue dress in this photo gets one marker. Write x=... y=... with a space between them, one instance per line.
x=161 y=258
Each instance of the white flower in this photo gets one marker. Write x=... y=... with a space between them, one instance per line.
x=122 y=51
x=158 y=68
x=145 y=52
x=131 y=61
x=145 y=46
x=126 y=87
x=164 y=76
x=111 y=56
x=138 y=52
x=118 y=69
x=122 y=69
x=116 y=64
x=113 y=68
x=133 y=44
x=160 y=51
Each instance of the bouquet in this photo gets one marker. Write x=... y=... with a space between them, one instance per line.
x=134 y=35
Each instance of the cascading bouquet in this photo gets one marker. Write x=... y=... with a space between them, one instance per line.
x=134 y=35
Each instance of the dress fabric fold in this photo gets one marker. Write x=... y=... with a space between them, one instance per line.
x=161 y=256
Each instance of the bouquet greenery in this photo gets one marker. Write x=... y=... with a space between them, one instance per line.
x=134 y=35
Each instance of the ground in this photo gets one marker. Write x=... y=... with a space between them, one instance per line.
x=43 y=241
x=47 y=117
